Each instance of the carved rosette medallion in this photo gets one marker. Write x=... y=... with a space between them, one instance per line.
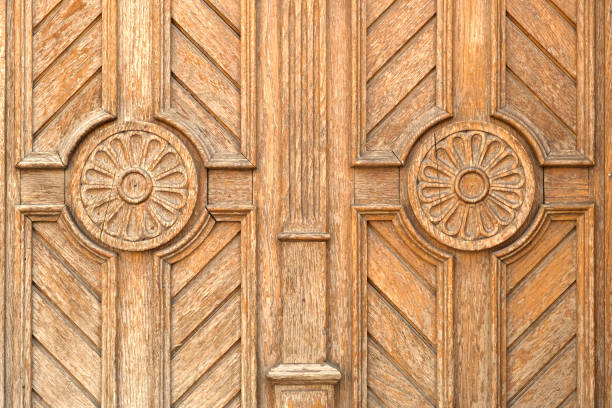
x=471 y=186
x=136 y=188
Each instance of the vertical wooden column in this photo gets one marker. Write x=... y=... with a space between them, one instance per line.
x=473 y=349
x=302 y=378
x=139 y=295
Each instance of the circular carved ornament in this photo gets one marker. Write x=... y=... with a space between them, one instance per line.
x=135 y=187
x=471 y=185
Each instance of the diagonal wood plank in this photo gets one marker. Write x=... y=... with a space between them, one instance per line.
x=211 y=34
x=568 y=8
x=38 y=402
x=553 y=87
x=186 y=269
x=399 y=340
x=41 y=9
x=235 y=403
x=212 y=135
x=399 y=124
x=541 y=288
x=59 y=31
x=80 y=62
x=375 y=8
x=66 y=292
x=210 y=342
x=546 y=339
x=394 y=281
x=556 y=233
x=208 y=85
x=548 y=29
x=52 y=135
x=386 y=231
x=394 y=30
x=556 y=135
x=401 y=74
x=220 y=278
x=228 y=10
x=374 y=401
x=219 y=386
x=64 y=342
x=554 y=384
x=53 y=385
x=391 y=385
x=66 y=250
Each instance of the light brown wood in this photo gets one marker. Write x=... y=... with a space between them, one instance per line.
x=305 y=203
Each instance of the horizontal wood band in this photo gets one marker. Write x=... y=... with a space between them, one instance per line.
x=304 y=236
x=304 y=374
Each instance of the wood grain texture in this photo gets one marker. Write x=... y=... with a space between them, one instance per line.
x=213 y=104
x=68 y=293
x=543 y=77
x=42 y=187
x=209 y=322
x=401 y=80
x=405 y=342
x=561 y=183
x=545 y=316
x=303 y=277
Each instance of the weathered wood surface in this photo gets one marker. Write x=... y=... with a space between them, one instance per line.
x=306 y=203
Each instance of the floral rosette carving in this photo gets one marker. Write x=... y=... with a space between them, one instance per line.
x=473 y=188
x=137 y=189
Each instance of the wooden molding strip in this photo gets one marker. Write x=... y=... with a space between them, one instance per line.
x=304 y=236
x=35 y=160
x=304 y=374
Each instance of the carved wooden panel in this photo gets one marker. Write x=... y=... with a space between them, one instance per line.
x=402 y=52
x=68 y=73
x=174 y=80
x=406 y=340
x=544 y=75
x=543 y=303
x=208 y=81
x=67 y=291
x=205 y=311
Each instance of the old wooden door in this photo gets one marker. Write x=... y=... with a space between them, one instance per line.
x=306 y=203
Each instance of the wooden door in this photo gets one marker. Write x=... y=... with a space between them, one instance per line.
x=306 y=203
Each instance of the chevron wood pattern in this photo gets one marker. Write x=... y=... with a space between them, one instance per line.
x=547 y=84
x=66 y=68
x=205 y=321
x=407 y=335
x=206 y=71
x=545 y=331
x=404 y=73
x=66 y=323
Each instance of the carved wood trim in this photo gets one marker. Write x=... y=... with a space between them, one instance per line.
x=582 y=216
x=362 y=215
x=443 y=109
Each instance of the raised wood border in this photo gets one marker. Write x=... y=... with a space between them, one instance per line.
x=583 y=216
x=606 y=382
x=444 y=298
x=444 y=87
x=248 y=286
x=585 y=82
x=19 y=318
